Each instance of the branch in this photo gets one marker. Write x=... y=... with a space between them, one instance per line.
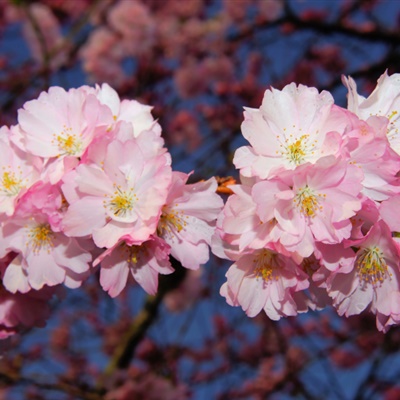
x=323 y=27
x=125 y=351
x=373 y=70
x=77 y=391
x=18 y=88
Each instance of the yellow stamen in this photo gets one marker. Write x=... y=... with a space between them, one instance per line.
x=11 y=185
x=296 y=151
x=122 y=202
x=265 y=265
x=172 y=218
x=41 y=236
x=69 y=143
x=372 y=267
x=392 y=114
x=308 y=202
x=133 y=254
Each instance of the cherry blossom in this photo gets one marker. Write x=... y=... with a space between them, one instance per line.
x=314 y=203
x=292 y=127
x=19 y=311
x=59 y=123
x=188 y=219
x=43 y=254
x=121 y=195
x=137 y=114
x=264 y=280
x=18 y=172
x=373 y=282
x=383 y=101
x=144 y=261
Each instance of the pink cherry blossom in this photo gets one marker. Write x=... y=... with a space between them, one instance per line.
x=44 y=255
x=18 y=172
x=137 y=114
x=120 y=195
x=364 y=219
x=188 y=219
x=383 y=101
x=373 y=282
x=143 y=261
x=333 y=257
x=292 y=127
x=369 y=149
x=149 y=141
x=22 y=311
x=264 y=280
x=389 y=212
x=242 y=227
x=313 y=203
x=59 y=125
x=379 y=164
x=315 y=296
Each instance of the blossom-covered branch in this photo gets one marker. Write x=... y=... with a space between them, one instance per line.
x=315 y=219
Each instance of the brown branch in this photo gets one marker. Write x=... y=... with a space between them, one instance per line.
x=78 y=391
x=371 y=71
x=42 y=42
x=323 y=27
x=125 y=351
x=20 y=88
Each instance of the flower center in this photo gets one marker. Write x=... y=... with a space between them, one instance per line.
x=10 y=184
x=265 y=266
x=122 y=202
x=172 y=220
x=308 y=202
x=296 y=150
x=68 y=143
x=41 y=236
x=372 y=267
x=133 y=254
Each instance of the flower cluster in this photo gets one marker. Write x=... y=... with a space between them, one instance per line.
x=314 y=220
x=85 y=180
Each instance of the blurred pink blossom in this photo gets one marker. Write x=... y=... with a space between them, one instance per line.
x=135 y=24
x=20 y=311
x=102 y=55
x=42 y=32
x=184 y=129
x=186 y=294
x=149 y=386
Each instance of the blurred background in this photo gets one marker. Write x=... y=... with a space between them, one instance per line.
x=198 y=63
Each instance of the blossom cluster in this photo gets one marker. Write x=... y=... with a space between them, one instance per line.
x=314 y=220
x=85 y=181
